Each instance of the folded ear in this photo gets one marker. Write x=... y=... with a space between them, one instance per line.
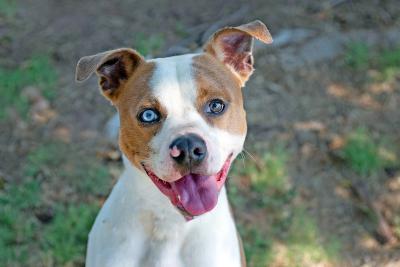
x=233 y=46
x=113 y=67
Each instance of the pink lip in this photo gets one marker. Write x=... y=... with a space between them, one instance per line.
x=188 y=191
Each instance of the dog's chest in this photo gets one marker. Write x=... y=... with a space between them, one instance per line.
x=127 y=233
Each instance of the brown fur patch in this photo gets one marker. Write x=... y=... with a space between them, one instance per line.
x=113 y=68
x=136 y=95
x=116 y=70
x=214 y=80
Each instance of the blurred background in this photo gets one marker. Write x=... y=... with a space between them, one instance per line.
x=319 y=183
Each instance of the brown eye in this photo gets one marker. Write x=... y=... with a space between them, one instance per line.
x=215 y=107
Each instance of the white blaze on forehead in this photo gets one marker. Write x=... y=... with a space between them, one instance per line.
x=173 y=85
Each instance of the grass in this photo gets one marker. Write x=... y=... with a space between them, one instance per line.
x=361 y=153
x=257 y=248
x=397 y=225
x=26 y=239
x=181 y=29
x=364 y=155
x=66 y=237
x=268 y=173
x=304 y=243
x=357 y=56
x=360 y=57
x=17 y=224
x=389 y=62
x=8 y=8
x=282 y=225
x=148 y=44
x=44 y=155
x=37 y=71
x=85 y=175
x=283 y=232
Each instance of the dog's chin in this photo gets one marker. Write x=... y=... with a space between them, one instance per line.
x=193 y=194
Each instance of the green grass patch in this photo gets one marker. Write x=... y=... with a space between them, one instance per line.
x=364 y=155
x=304 y=243
x=397 y=225
x=386 y=61
x=18 y=227
x=8 y=8
x=270 y=190
x=389 y=58
x=85 y=174
x=37 y=71
x=268 y=173
x=357 y=56
x=44 y=157
x=181 y=29
x=148 y=44
x=60 y=241
x=257 y=246
x=361 y=153
x=64 y=240
x=26 y=241
x=287 y=235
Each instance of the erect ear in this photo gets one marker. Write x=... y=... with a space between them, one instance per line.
x=113 y=68
x=233 y=46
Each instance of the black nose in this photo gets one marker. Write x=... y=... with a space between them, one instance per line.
x=189 y=150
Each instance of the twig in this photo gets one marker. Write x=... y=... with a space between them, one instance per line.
x=383 y=228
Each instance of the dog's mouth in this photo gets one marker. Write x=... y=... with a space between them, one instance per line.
x=193 y=194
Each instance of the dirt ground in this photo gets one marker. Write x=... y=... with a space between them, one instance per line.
x=303 y=94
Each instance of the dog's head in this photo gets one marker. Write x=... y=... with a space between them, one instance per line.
x=182 y=120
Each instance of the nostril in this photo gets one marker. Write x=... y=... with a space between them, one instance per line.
x=198 y=151
x=175 y=152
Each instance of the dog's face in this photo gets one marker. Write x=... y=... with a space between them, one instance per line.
x=182 y=118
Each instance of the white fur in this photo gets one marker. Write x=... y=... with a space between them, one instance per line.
x=173 y=85
x=138 y=226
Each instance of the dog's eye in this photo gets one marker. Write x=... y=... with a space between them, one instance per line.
x=149 y=116
x=215 y=107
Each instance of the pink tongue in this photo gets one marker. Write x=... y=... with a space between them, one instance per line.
x=198 y=194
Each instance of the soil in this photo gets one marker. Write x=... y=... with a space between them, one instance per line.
x=306 y=106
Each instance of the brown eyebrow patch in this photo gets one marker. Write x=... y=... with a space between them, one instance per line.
x=213 y=81
x=135 y=137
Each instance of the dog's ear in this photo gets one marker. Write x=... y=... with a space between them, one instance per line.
x=233 y=46
x=113 y=68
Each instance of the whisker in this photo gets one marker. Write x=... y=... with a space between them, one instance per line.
x=242 y=157
x=256 y=161
x=253 y=158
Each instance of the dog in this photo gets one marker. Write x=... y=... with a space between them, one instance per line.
x=182 y=123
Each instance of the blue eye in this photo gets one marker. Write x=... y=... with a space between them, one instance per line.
x=215 y=107
x=149 y=116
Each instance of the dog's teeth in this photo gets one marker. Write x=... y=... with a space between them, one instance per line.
x=179 y=197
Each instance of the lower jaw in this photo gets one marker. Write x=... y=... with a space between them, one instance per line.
x=166 y=187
